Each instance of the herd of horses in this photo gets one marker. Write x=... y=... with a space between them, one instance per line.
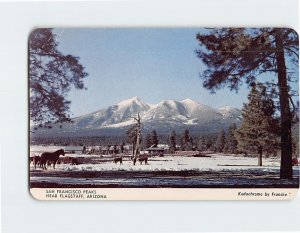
x=141 y=159
x=48 y=158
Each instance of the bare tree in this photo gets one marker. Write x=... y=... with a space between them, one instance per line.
x=138 y=137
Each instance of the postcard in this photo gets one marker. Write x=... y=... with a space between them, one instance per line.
x=163 y=113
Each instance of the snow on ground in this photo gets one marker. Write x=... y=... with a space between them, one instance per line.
x=218 y=170
x=216 y=162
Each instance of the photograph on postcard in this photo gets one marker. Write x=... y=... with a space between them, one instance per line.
x=161 y=111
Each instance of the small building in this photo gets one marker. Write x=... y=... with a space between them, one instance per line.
x=163 y=146
x=156 y=150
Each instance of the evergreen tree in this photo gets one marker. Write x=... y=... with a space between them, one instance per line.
x=234 y=55
x=231 y=142
x=186 y=141
x=191 y=144
x=154 y=138
x=209 y=142
x=220 y=143
x=201 y=144
x=51 y=76
x=258 y=129
x=148 y=140
x=172 y=142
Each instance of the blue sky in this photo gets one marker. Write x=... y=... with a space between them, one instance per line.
x=153 y=64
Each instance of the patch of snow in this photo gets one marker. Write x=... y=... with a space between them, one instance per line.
x=190 y=122
x=121 y=124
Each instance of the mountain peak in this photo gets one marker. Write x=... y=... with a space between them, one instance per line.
x=190 y=104
x=135 y=99
x=188 y=100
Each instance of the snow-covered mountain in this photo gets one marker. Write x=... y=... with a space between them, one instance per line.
x=117 y=115
x=163 y=117
x=230 y=112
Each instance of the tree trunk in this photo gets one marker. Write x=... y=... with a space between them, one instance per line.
x=133 y=149
x=286 y=169
x=137 y=147
x=259 y=156
x=138 y=137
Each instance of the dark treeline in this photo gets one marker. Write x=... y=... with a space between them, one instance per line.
x=225 y=141
x=181 y=140
x=78 y=141
x=112 y=140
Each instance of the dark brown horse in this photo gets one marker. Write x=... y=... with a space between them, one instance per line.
x=295 y=161
x=74 y=161
x=66 y=160
x=36 y=160
x=70 y=160
x=118 y=159
x=141 y=159
x=48 y=157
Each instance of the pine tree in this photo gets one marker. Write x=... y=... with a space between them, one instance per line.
x=172 y=142
x=237 y=55
x=186 y=141
x=231 y=142
x=209 y=142
x=191 y=144
x=51 y=76
x=201 y=144
x=148 y=140
x=258 y=130
x=220 y=143
x=154 y=138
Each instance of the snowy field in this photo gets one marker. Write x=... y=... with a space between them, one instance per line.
x=166 y=171
x=168 y=162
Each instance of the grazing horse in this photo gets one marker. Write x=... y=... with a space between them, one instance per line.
x=70 y=160
x=48 y=157
x=141 y=159
x=118 y=159
x=74 y=161
x=66 y=160
x=295 y=161
x=36 y=160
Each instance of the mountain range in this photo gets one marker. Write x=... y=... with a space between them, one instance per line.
x=164 y=117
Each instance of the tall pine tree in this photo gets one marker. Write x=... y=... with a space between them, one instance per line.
x=148 y=140
x=51 y=76
x=186 y=141
x=231 y=142
x=220 y=143
x=259 y=126
x=154 y=138
x=202 y=144
x=237 y=55
x=172 y=142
